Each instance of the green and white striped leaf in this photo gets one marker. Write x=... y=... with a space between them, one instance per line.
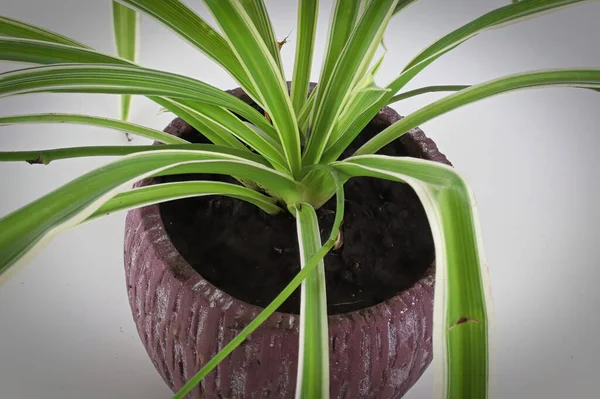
x=511 y=13
x=34 y=51
x=402 y=4
x=313 y=355
x=50 y=155
x=344 y=15
x=191 y=27
x=580 y=78
x=198 y=121
x=46 y=81
x=149 y=195
x=121 y=79
x=117 y=79
x=462 y=301
x=51 y=53
x=352 y=121
x=27 y=230
x=503 y=16
x=305 y=43
x=45 y=52
x=222 y=127
x=259 y=173
x=258 y=320
x=262 y=71
x=306 y=112
x=356 y=115
x=126 y=26
x=257 y=11
x=313 y=363
x=437 y=89
x=309 y=267
x=348 y=71
x=126 y=127
x=14 y=28
x=426 y=90
x=207 y=122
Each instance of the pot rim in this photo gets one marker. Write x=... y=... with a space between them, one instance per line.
x=182 y=271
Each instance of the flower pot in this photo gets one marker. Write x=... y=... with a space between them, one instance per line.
x=183 y=319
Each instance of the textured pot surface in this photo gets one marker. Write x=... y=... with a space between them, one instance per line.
x=183 y=320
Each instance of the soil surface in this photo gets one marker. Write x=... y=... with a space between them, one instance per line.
x=387 y=243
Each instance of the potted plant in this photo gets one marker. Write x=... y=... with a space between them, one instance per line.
x=256 y=168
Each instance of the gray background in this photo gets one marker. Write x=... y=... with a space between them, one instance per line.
x=531 y=158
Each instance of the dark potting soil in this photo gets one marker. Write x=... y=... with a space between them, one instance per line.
x=387 y=242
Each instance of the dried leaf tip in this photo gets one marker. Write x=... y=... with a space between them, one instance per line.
x=284 y=41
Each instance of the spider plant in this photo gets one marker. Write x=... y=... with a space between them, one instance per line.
x=286 y=159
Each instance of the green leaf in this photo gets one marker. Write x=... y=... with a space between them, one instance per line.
x=462 y=301
x=200 y=121
x=287 y=291
x=313 y=355
x=172 y=13
x=345 y=14
x=257 y=11
x=186 y=23
x=227 y=127
x=18 y=29
x=355 y=116
x=45 y=52
x=126 y=127
x=114 y=79
x=425 y=90
x=513 y=13
x=436 y=89
x=306 y=111
x=502 y=16
x=352 y=122
x=342 y=23
x=47 y=156
x=586 y=78
x=122 y=79
x=356 y=56
x=305 y=43
x=50 y=155
x=28 y=229
x=254 y=324
x=126 y=25
x=263 y=72
x=402 y=4
x=158 y=193
x=51 y=53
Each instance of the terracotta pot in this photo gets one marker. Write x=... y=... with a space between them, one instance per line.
x=183 y=320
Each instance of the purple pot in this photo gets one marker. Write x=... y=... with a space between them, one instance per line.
x=183 y=320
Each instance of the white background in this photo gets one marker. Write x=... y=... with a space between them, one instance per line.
x=531 y=158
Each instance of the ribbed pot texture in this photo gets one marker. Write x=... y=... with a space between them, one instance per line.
x=183 y=320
